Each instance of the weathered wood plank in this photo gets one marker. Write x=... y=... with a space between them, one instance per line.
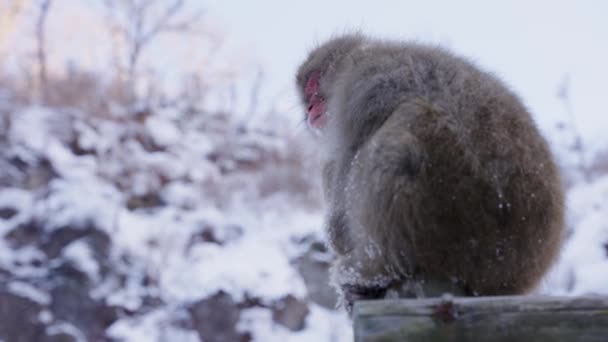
x=513 y=318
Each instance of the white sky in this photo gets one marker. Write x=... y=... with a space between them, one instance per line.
x=532 y=45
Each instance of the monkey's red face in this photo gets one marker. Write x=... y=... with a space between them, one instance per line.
x=316 y=112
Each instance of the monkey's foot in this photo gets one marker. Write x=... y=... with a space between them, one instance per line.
x=352 y=293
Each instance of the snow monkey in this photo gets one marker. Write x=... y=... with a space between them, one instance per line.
x=435 y=175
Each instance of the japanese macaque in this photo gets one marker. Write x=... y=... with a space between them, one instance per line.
x=436 y=177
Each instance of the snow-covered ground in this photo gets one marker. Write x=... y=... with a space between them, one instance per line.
x=202 y=213
x=583 y=266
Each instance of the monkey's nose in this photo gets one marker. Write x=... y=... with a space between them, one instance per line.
x=316 y=113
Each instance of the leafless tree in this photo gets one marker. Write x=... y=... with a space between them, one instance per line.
x=41 y=48
x=138 y=23
x=578 y=146
x=255 y=93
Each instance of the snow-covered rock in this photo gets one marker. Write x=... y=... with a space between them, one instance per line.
x=158 y=230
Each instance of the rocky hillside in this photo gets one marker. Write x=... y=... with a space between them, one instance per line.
x=159 y=227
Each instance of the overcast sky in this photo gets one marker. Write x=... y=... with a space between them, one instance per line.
x=532 y=45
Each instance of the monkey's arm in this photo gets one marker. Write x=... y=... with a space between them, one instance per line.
x=379 y=199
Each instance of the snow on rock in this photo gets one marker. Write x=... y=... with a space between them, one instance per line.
x=28 y=291
x=65 y=331
x=328 y=327
x=257 y=265
x=31 y=128
x=77 y=201
x=153 y=326
x=15 y=204
x=79 y=253
x=163 y=131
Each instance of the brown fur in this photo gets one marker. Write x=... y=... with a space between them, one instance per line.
x=435 y=173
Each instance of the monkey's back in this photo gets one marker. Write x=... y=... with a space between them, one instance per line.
x=454 y=181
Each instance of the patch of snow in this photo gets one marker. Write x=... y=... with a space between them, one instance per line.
x=181 y=194
x=29 y=291
x=255 y=266
x=321 y=325
x=18 y=199
x=25 y=257
x=80 y=254
x=66 y=328
x=30 y=128
x=154 y=326
x=78 y=201
x=583 y=264
x=45 y=316
x=163 y=131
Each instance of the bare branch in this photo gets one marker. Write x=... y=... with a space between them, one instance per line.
x=163 y=22
x=41 y=49
x=255 y=94
x=141 y=22
x=578 y=146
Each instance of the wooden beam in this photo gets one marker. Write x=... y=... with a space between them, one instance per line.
x=501 y=319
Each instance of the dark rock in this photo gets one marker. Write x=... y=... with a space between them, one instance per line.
x=251 y=302
x=24 y=234
x=68 y=274
x=148 y=143
x=53 y=242
x=149 y=303
x=72 y=303
x=211 y=234
x=146 y=201
x=98 y=240
x=5 y=275
x=35 y=174
x=77 y=149
x=215 y=319
x=290 y=312
x=61 y=337
x=7 y=213
x=313 y=267
x=59 y=238
x=205 y=234
x=19 y=319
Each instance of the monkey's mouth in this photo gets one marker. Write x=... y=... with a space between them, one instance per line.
x=316 y=103
x=316 y=111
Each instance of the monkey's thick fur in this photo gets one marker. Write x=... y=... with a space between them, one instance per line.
x=435 y=174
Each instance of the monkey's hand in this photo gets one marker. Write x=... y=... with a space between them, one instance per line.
x=352 y=293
